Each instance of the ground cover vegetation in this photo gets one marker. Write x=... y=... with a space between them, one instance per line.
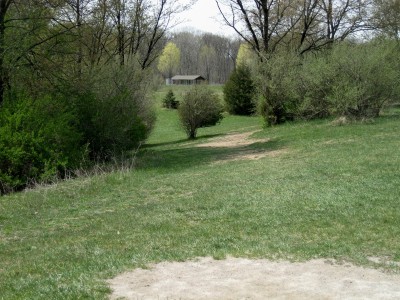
x=332 y=194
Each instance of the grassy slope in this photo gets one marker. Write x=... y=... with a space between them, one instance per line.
x=334 y=193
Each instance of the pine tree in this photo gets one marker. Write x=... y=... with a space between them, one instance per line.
x=239 y=92
x=170 y=100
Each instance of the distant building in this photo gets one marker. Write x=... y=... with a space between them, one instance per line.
x=187 y=79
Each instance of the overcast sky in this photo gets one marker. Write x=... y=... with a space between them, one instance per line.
x=204 y=16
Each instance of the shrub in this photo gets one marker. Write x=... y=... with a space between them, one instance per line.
x=315 y=84
x=352 y=80
x=170 y=101
x=278 y=82
x=115 y=113
x=200 y=107
x=38 y=141
x=239 y=92
x=365 y=79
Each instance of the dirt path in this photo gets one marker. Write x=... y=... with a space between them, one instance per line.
x=240 y=140
x=232 y=140
x=236 y=278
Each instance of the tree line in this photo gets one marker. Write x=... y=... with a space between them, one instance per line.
x=195 y=53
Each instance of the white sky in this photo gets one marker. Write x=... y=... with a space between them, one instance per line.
x=204 y=16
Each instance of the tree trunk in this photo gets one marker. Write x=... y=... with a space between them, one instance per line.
x=3 y=72
x=79 y=57
x=121 y=34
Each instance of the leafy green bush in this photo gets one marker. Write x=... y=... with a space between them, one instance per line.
x=278 y=82
x=200 y=107
x=38 y=141
x=115 y=114
x=352 y=80
x=170 y=101
x=314 y=85
x=365 y=79
x=107 y=114
x=239 y=92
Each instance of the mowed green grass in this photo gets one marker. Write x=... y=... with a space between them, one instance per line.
x=327 y=192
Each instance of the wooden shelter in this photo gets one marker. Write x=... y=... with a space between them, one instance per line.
x=187 y=79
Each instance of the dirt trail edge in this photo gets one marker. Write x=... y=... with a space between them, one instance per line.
x=237 y=278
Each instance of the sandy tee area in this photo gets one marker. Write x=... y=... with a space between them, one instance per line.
x=237 y=278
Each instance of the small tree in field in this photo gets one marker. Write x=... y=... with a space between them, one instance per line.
x=170 y=101
x=239 y=92
x=200 y=108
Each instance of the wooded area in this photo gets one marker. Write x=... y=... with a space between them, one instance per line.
x=75 y=76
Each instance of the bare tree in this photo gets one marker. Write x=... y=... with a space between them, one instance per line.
x=264 y=24
x=119 y=12
x=4 y=6
x=141 y=26
x=208 y=61
x=303 y=25
x=99 y=36
x=345 y=17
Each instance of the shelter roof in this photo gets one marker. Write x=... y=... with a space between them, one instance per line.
x=187 y=77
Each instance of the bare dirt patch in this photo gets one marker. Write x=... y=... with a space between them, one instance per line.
x=250 y=155
x=236 y=278
x=239 y=141
x=233 y=140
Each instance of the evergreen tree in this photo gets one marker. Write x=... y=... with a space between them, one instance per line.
x=239 y=92
x=170 y=101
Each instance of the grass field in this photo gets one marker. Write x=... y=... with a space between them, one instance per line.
x=329 y=192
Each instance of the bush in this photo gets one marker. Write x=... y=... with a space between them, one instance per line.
x=278 y=82
x=170 y=101
x=105 y=114
x=200 y=107
x=115 y=114
x=239 y=92
x=38 y=141
x=314 y=84
x=365 y=79
x=352 y=80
